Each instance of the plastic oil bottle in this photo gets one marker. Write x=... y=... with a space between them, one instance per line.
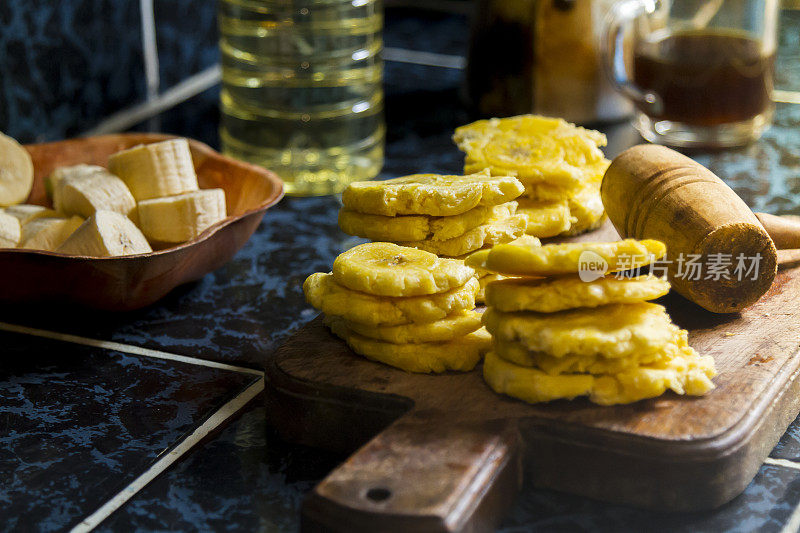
x=302 y=89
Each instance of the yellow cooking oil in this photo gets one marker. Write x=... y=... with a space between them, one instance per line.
x=302 y=89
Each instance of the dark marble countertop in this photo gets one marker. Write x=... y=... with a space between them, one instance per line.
x=152 y=420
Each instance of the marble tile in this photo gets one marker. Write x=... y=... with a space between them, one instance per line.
x=186 y=33
x=197 y=117
x=259 y=483
x=765 y=173
x=426 y=31
x=764 y=506
x=789 y=445
x=787 y=63
x=67 y=65
x=246 y=479
x=421 y=122
x=405 y=78
x=79 y=424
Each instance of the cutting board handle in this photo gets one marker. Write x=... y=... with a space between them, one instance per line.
x=419 y=476
x=784 y=230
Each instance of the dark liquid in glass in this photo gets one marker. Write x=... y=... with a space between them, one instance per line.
x=705 y=78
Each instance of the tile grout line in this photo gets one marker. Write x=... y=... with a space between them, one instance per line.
x=126 y=348
x=178 y=93
x=786 y=463
x=149 y=49
x=429 y=59
x=150 y=55
x=215 y=420
x=786 y=97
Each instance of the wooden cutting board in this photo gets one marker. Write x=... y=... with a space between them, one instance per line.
x=445 y=453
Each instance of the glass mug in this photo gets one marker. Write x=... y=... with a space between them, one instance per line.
x=699 y=72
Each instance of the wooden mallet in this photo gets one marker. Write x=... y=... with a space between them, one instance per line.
x=653 y=192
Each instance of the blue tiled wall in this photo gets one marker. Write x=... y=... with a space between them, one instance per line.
x=187 y=37
x=66 y=65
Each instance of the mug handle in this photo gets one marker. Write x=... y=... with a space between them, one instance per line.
x=611 y=46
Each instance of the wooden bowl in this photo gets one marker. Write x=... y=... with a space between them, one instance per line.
x=130 y=282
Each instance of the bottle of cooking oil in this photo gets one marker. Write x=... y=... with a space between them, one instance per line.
x=302 y=89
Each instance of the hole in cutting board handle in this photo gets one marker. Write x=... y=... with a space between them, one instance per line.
x=379 y=494
x=474 y=462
